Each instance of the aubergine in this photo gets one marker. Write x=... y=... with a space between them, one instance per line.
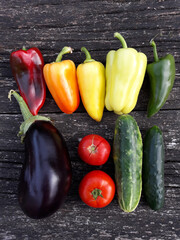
x=46 y=174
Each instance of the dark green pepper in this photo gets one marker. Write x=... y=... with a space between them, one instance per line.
x=161 y=75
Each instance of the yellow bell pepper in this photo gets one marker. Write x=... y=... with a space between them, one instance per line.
x=91 y=81
x=125 y=70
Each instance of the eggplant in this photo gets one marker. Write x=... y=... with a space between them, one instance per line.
x=46 y=174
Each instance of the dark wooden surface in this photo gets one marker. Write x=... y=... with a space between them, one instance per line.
x=50 y=25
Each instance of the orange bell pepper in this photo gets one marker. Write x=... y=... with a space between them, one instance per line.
x=61 y=80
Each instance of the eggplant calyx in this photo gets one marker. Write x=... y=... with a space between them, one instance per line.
x=28 y=122
x=29 y=119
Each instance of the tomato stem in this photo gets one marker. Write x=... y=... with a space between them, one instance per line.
x=92 y=149
x=97 y=193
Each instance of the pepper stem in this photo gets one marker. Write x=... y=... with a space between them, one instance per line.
x=97 y=193
x=63 y=51
x=122 y=40
x=23 y=106
x=88 y=55
x=24 y=48
x=152 y=43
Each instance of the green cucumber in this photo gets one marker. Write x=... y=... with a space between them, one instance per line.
x=127 y=155
x=153 y=168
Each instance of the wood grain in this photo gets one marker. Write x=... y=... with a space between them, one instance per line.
x=50 y=25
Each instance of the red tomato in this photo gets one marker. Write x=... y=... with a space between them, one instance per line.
x=94 y=150
x=97 y=189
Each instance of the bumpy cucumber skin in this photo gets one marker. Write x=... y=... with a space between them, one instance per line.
x=153 y=168
x=127 y=155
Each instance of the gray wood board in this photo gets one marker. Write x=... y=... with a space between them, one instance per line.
x=50 y=25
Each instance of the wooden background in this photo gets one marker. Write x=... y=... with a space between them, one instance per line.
x=50 y=25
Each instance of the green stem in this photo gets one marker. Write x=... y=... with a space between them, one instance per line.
x=88 y=55
x=63 y=51
x=23 y=106
x=24 y=48
x=122 y=40
x=152 y=43
x=97 y=193
x=29 y=119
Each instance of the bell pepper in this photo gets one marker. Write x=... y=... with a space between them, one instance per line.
x=161 y=75
x=61 y=79
x=91 y=81
x=27 y=69
x=125 y=70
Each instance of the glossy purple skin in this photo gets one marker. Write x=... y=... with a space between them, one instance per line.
x=46 y=175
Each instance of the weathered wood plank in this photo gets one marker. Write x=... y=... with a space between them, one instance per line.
x=87 y=13
x=9 y=179
x=50 y=106
x=10 y=170
x=83 y=23
x=80 y=222
x=75 y=126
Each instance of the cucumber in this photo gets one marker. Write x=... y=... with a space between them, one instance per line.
x=127 y=156
x=153 y=168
